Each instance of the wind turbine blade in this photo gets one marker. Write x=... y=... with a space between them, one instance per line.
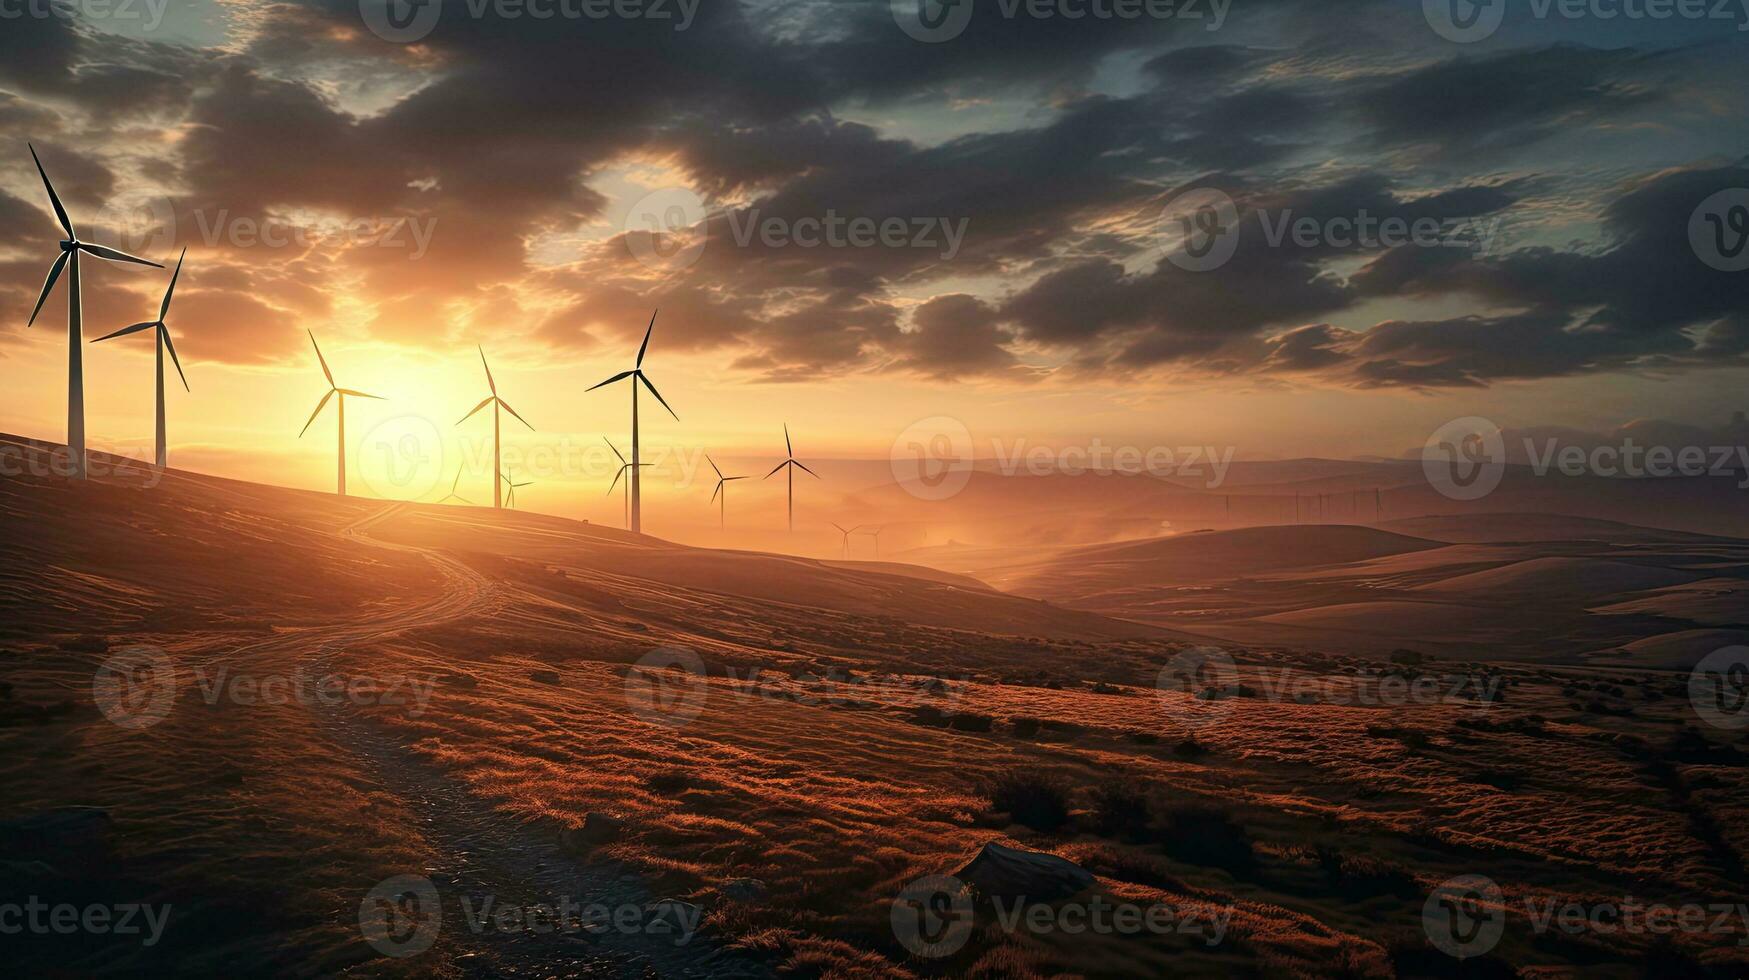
x=732 y=479
x=476 y=410
x=164 y=332
x=616 y=452
x=658 y=394
x=489 y=382
x=718 y=490
x=113 y=255
x=615 y=485
x=55 y=199
x=360 y=394
x=124 y=331
x=324 y=361
x=164 y=310
x=48 y=284
x=453 y=487
x=806 y=470
x=774 y=469
x=788 y=447
x=319 y=406
x=616 y=378
x=646 y=345
x=512 y=411
x=708 y=459
x=837 y=525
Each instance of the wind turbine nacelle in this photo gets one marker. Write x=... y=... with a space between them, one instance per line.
x=68 y=246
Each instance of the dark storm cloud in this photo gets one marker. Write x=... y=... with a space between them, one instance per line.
x=1470 y=106
x=956 y=336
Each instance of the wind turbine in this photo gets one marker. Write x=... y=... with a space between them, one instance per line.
x=333 y=390
x=510 y=501
x=876 y=532
x=496 y=403
x=636 y=374
x=454 y=487
x=846 y=535
x=163 y=343
x=623 y=467
x=791 y=462
x=721 y=490
x=71 y=246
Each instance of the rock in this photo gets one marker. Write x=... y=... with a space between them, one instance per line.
x=747 y=891
x=545 y=677
x=597 y=829
x=1009 y=873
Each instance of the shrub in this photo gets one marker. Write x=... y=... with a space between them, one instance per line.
x=1208 y=836
x=1029 y=799
x=1120 y=809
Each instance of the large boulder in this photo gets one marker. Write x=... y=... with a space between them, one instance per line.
x=1010 y=873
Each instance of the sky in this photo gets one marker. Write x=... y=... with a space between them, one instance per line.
x=1020 y=191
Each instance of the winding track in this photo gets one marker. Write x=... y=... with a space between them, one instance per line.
x=484 y=852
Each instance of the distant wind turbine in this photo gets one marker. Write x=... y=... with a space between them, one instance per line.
x=510 y=501
x=71 y=246
x=721 y=491
x=623 y=468
x=456 y=486
x=845 y=534
x=876 y=533
x=637 y=376
x=496 y=403
x=344 y=393
x=163 y=344
x=791 y=462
